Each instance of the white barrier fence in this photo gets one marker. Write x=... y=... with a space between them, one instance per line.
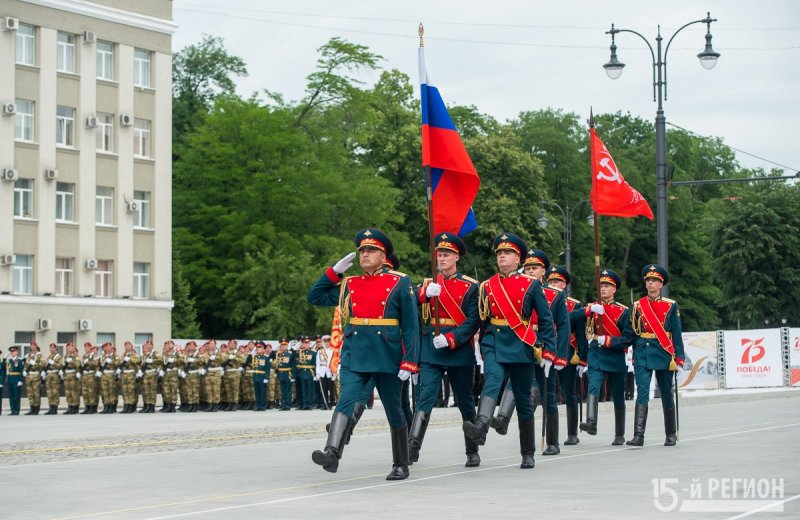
x=756 y=358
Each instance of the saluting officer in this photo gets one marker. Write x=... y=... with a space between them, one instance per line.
x=609 y=333
x=13 y=367
x=285 y=367
x=456 y=298
x=53 y=375
x=381 y=342
x=72 y=379
x=516 y=317
x=559 y=278
x=658 y=347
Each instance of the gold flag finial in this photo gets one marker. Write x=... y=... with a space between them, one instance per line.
x=421 y=31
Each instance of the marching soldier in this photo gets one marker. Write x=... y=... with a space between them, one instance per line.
x=72 y=379
x=260 y=364
x=512 y=326
x=130 y=366
x=285 y=366
x=535 y=265
x=609 y=333
x=90 y=381
x=191 y=376
x=12 y=368
x=150 y=367
x=169 y=374
x=559 y=278
x=658 y=347
x=233 y=372
x=246 y=390
x=53 y=375
x=306 y=373
x=381 y=343
x=33 y=373
x=213 y=375
x=452 y=302
x=109 y=372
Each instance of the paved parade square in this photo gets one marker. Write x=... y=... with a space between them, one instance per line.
x=258 y=465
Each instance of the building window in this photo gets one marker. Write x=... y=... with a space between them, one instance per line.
x=65 y=126
x=65 y=202
x=66 y=53
x=106 y=337
x=105 y=61
x=64 y=272
x=141 y=137
x=23 y=122
x=141 y=217
x=141 y=68
x=23 y=198
x=104 y=206
x=140 y=338
x=105 y=132
x=102 y=279
x=26 y=44
x=23 y=274
x=62 y=338
x=141 y=280
x=23 y=339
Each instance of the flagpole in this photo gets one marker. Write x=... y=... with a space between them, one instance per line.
x=596 y=236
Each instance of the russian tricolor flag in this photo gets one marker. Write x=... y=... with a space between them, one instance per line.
x=454 y=181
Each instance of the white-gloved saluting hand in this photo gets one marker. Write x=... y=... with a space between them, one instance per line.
x=345 y=263
x=433 y=289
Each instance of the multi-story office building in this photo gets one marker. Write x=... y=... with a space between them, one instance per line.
x=85 y=156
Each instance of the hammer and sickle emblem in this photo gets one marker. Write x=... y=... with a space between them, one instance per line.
x=607 y=164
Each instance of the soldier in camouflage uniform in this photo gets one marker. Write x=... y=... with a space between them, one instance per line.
x=246 y=390
x=169 y=373
x=90 y=368
x=202 y=354
x=180 y=360
x=109 y=373
x=129 y=366
x=53 y=375
x=213 y=375
x=232 y=363
x=34 y=366
x=72 y=379
x=191 y=370
x=149 y=367
x=273 y=388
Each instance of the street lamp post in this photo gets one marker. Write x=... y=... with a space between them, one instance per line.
x=708 y=59
x=567 y=214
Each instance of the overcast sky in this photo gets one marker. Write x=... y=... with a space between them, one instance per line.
x=505 y=57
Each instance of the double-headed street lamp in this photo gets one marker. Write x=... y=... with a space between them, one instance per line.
x=708 y=59
x=567 y=214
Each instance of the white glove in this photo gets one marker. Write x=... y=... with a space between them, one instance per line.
x=202 y=371
x=117 y=372
x=546 y=364
x=266 y=381
x=190 y=360
x=126 y=358
x=404 y=375
x=43 y=374
x=414 y=379
x=344 y=264
x=24 y=373
x=213 y=357
x=291 y=380
x=582 y=370
x=433 y=289
x=50 y=361
x=108 y=360
x=440 y=341
x=61 y=374
x=160 y=373
x=19 y=384
x=98 y=374
x=170 y=360
x=1 y=386
x=139 y=374
x=316 y=378
x=601 y=341
x=559 y=367
x=231 y=356
x=182 y=374
x=240 y=369
x=69 y=359
x=78 y=375
x=597 y=309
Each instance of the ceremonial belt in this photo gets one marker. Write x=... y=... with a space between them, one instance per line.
x=650 y=335
x=54 y=370
x=284 y=370
x=215 y=369
x=259 y=372
x=305 y=366
x=15 y=373
x=658 y=328
x=500 y=322
x=449 y=304
x=525 y=331
x=447 y=322
x=70 y=370
x=374 y=321
x=128 y=371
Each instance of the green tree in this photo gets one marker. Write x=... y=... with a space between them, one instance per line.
x=184 y=313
